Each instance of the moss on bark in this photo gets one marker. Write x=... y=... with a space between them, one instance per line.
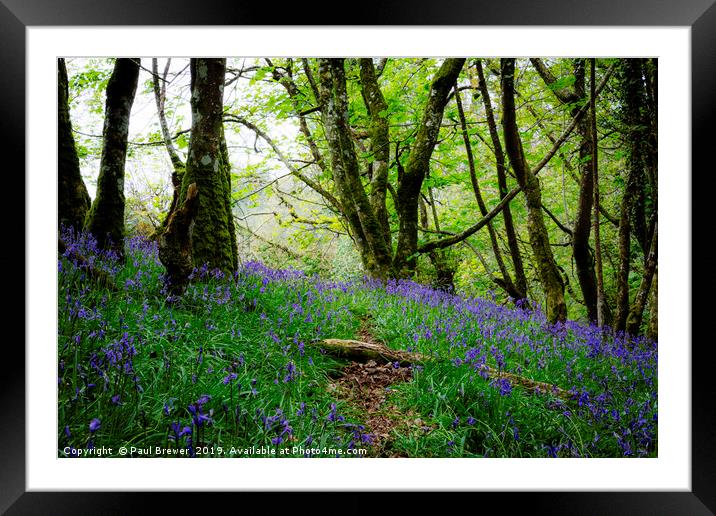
x=547 y=271
x=105 y=219
x=73 y=201
x=175 y=243
x=213 y=239
x=418 y=163
x=366 y=228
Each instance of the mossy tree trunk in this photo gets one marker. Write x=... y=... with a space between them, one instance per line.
x=178 y=166
x=636 y=313
x=504 y=282
x=176 y=244
x=365 y=226
x=105 y=219
x=581 y=251
x=418 y=164
x=547 y=270
x=632 y=97
x=73 y=201
x=603 y=312
x=652 y=330
x=213 y=237
x=520 y=283
x=583 y=258
x=379 y=144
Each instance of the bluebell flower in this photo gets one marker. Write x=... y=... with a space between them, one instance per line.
x=229 y=378
x=332 y=414
x=504 y=385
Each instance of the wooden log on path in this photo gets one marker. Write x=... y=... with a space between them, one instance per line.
x=360 y=351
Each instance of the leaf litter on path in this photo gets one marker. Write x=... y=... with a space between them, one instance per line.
x=366 y=387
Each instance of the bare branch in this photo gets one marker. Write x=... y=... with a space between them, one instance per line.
x=287 y=163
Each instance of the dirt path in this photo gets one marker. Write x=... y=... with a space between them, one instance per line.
x=366 y=386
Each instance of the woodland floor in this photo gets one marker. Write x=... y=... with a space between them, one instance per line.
x=366 y=387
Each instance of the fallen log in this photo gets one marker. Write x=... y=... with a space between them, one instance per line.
x=360 y=351
x=531 y=385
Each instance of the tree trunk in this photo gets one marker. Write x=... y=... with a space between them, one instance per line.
x=583 y=259
x=418 y=164
x=213 y=240
x=652 y=331
x=176 y=243
x=160 y=93
x=638 y=130
x=603 y=315
x=636 y=313
x=624 y=263
x=365 y=226
x=379 y=144
x=556 y=309
x=73 y=201
x=631 y=92
x=512 y=242
x=105 y=219
x=651 y=153
x=505 y=282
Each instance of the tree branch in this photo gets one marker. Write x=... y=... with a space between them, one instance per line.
x=446 y=242
x=556 y=221
x=287 y=163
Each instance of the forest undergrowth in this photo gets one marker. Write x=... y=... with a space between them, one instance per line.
x=234 y=368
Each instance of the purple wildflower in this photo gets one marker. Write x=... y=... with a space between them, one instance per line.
x=229 y=378
x=94 y=425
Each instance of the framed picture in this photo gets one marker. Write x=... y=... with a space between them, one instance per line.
x=34 y=34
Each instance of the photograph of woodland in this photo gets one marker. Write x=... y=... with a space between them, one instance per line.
x=357 y=257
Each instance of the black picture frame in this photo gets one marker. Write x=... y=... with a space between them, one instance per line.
x=700 y=15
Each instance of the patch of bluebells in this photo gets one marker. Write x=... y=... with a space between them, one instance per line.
x=277 y=426
x=601 y=367
x=358 y=435
x=612 y=376
x=503 y=385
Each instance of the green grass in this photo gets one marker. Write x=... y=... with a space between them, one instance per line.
x=232 y=366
